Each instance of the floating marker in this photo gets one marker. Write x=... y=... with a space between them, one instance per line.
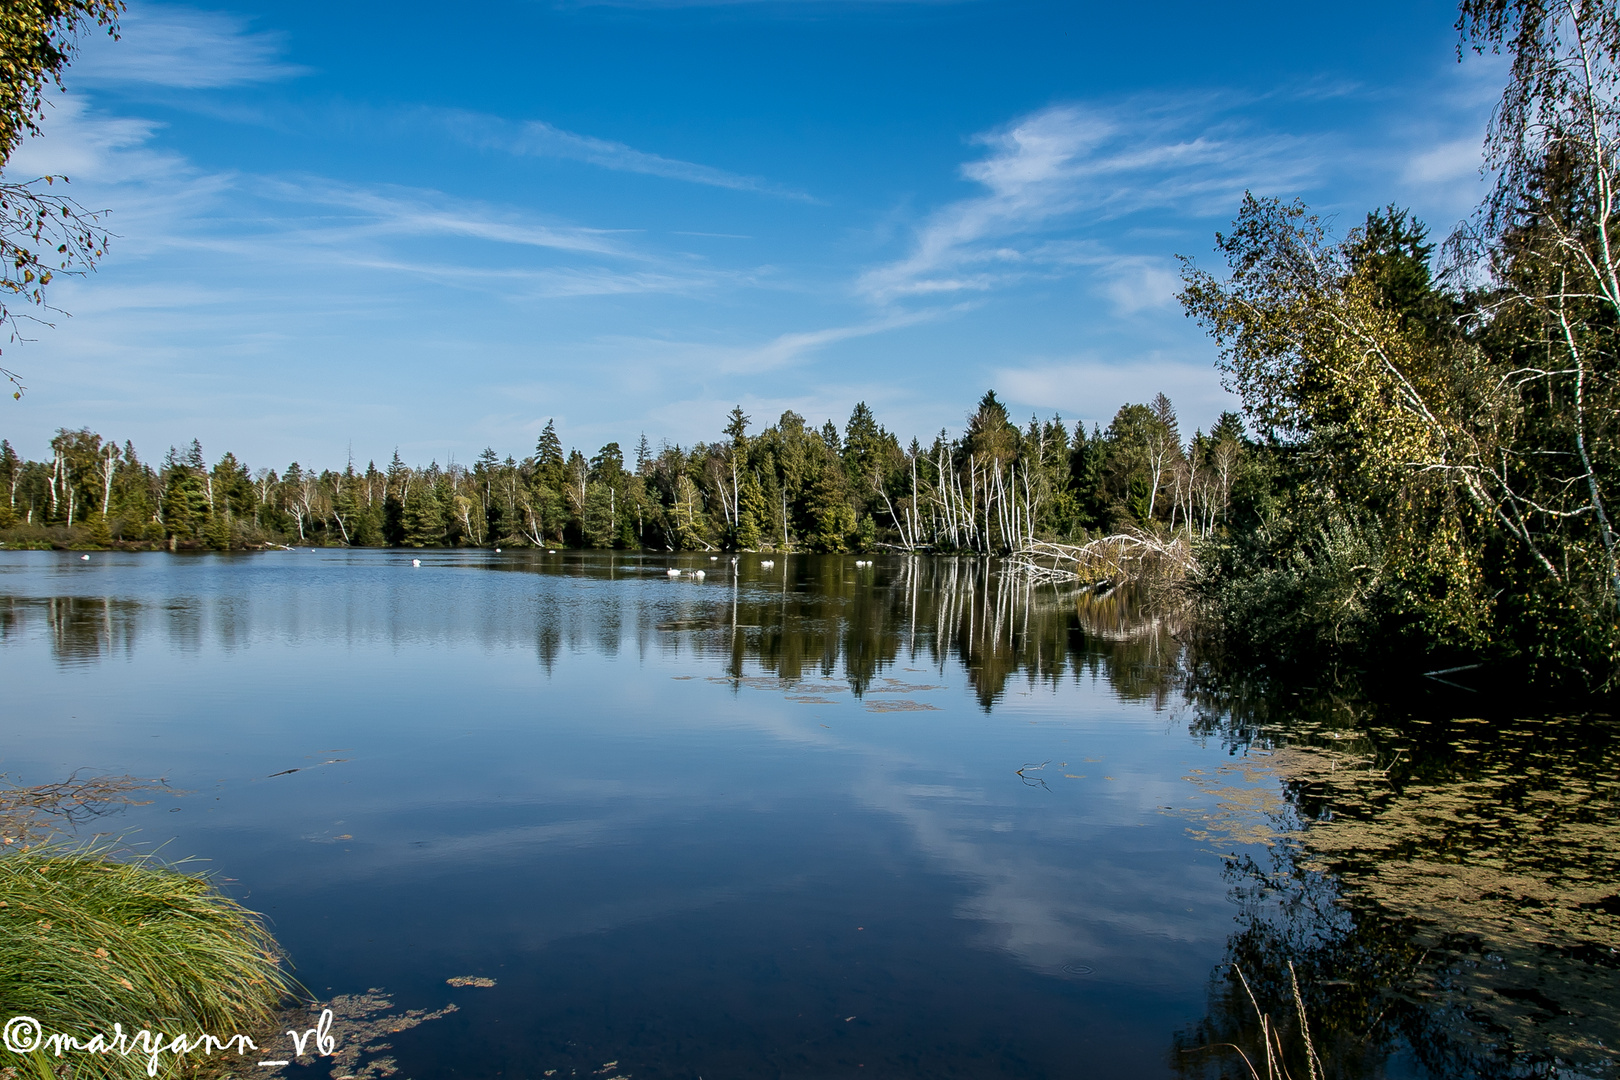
x=86 y=558
x=416 y=562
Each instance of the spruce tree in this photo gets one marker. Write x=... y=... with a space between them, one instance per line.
x=393 y=525
x=597 y=520
x=833 y=518
x=752 y=510
x=185 y=502
x=548 y=457
x=422 y=516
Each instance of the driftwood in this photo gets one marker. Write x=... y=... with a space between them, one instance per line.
x=31 y=814
x=1108 y=561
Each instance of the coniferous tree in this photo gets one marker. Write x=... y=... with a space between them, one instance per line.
x=832 y=518
x=422 y=515
x=486 y=471
x=10 y=475
x=185 y=499
x=398 y=479
x=548 y=457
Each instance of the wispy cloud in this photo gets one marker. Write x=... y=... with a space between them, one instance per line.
x=89 y=146
x=1445 y=176
x=1092 y=389
x=790 y=348
x=536 y=138
x=1455 y=160
x=370 y=233
x=183 y=48
x=360 y=237
x=1068 y=166
x=657 y=358
x=377 y=210
x=1140 y=283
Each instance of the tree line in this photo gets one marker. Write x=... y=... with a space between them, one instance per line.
x=791 y=486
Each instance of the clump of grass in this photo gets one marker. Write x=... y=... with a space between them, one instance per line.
x=88 y=940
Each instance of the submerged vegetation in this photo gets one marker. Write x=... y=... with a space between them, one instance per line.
x=1441 y=878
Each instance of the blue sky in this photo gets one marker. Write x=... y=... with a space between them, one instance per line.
x=346 y=227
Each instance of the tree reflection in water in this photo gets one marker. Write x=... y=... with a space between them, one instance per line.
x=816 y=617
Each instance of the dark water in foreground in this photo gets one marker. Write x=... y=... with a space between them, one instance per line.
x=814 y=820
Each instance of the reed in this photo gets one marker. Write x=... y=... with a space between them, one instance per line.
x=1273 y=1047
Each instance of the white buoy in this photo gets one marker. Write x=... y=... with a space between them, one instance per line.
x=698 y=574
x=86 y=558
x=714 y=558
x=497 y=551
x=673 y=572
x=416 y=562
x=553 y=551
x=767 y=564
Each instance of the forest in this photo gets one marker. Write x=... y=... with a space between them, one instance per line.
x=791 y=486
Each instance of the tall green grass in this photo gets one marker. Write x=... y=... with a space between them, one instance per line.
x=88 y=940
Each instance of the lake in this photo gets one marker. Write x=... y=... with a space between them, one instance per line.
x=808 y=818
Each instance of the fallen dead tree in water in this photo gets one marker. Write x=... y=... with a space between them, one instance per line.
x=31 y=814
x=1110 y=561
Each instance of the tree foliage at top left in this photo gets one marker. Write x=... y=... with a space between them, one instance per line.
x=37 y=40
x=42 y=232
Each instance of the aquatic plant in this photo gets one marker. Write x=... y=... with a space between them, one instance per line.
x=1444 y=885
x=1274 y=1049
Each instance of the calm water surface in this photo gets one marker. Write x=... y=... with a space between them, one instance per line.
x=807 y=820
